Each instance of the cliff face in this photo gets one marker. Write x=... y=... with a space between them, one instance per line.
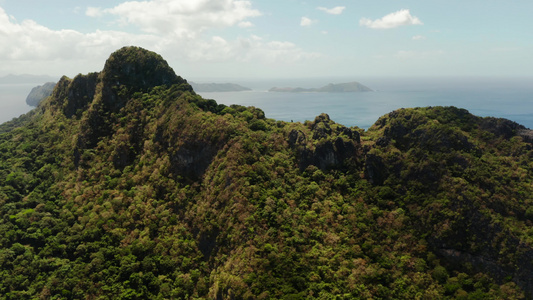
x=126 y=184
x=330 y=145
x=39 y=93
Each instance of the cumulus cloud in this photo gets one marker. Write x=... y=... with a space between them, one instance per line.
x=276 y=52
x=305 y=21
x=246 y=24
x=94 y=12
x=418 y=37
x=250 y=49
x=179 y=17
x=337 y=10
x=392 y=20
x=28 y=47
x=28 y=40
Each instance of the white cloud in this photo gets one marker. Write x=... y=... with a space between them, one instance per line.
x=337 y=10
x=251 y=49
x=305 y=21
x=180 y=17
x=246 y=24
x=418 y=37
x=271 y=52
x=94 y=12
x=392 y=20
x=28 y=47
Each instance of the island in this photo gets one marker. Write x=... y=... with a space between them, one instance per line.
x=349 y=87
x=218 y=87
x=39 y=93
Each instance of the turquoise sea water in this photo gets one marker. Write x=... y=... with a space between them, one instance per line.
x=509 y=98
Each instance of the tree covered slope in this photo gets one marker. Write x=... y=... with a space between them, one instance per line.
x=126 y=184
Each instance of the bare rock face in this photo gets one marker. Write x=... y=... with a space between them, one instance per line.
x=73 y=96
x=331 y=146
x=296 y=137
x=375 y=169
x=193 y=159
x=503 y=127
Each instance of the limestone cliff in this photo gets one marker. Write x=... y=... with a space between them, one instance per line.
x=39 y=93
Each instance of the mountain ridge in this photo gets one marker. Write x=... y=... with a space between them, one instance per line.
x=127 y=184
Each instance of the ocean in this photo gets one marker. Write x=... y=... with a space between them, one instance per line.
x=13 y=100
x=510 y=98
x=504 y=98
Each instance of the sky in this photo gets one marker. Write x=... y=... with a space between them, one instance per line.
x=273 y=38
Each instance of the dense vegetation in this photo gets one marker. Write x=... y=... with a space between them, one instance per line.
x=125 y=184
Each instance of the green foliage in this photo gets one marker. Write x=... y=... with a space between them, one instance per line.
x=178 y=197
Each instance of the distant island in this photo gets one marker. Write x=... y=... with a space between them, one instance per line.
x=348 y=87
x=40 y=93
x=218 y=87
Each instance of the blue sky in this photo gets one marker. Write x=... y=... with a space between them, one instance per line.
x=273 y=38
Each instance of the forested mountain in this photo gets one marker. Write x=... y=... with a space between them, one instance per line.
x=126 y=184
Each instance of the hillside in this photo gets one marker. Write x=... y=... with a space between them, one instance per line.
x=126 y=184
x=349 y=87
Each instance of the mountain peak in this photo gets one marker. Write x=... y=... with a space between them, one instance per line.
x=139 y=68
x=134 y=69
x=97 y=98
x=126 y=71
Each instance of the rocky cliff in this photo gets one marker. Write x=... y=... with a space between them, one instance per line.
x=39 y=93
